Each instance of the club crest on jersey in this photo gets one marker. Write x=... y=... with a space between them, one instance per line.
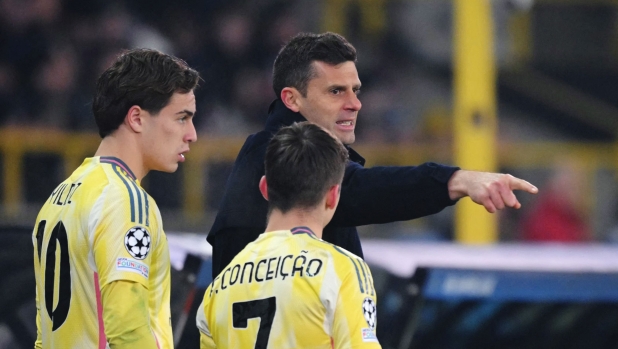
x=369 y=312
x=137 y=242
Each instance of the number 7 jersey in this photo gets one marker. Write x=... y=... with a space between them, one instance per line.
x=98 y=226
x=289 y=289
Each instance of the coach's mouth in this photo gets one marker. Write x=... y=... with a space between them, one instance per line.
x=346 y=125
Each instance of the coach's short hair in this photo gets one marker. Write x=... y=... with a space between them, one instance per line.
x=302 y=162
x=293 y=66
x=143 y=77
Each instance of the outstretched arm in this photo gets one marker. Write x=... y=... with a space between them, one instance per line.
x=385 y=194
x=492 y=190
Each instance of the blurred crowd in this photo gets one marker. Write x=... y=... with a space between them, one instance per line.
x=52 y=51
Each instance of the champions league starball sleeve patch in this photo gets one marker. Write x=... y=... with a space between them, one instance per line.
x=137 y=241
x=369 y=312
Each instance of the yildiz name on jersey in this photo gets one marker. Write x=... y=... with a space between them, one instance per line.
x=280 y=267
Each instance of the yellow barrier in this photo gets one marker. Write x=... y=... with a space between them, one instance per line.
x=15 y=143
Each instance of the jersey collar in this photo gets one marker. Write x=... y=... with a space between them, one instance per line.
x=118 y=162
x=302 y=230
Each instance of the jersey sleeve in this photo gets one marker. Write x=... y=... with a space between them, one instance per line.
x=354 y=324
x=206 y=340
x=126 y=316
x=121 y=242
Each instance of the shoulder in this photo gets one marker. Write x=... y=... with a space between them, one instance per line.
x=89 y=181
x=345 y=269
x=122 y=186
x=249 y=165
x=119 y=196
x=255 y=144
x=346 y=263
x=353 y=271
x=341 y=255
x=342 y=258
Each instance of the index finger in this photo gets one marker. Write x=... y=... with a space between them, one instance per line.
x=520 y=184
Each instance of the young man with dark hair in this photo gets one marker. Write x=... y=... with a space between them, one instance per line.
x=315 y=79
x=101 y=258
x=289 y=288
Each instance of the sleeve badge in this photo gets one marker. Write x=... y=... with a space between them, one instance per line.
x=369 y=311
x=137 y=242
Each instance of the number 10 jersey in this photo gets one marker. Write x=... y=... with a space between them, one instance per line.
x=98 y=226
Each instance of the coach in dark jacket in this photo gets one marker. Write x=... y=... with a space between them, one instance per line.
x=315 y=78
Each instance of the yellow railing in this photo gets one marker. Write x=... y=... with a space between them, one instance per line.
x=15 y=143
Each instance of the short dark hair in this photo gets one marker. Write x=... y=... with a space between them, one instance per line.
x=302 y=161
x=143 y=77
x=293 y=65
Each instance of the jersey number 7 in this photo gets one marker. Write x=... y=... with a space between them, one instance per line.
x=264 y=309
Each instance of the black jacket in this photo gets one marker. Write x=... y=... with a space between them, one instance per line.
x=368 y=195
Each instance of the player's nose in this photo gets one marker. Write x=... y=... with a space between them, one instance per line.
x=191 y=134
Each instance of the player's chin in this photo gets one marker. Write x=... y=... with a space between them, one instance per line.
x=169 y=168
x=347 y=138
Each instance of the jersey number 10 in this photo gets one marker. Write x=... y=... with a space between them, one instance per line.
x=58 y=238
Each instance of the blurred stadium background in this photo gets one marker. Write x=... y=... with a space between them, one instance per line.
x=556 y=78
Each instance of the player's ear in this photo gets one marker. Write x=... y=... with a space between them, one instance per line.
x=290 y=96
x=134 y=118
x=264 y=187
x=332 y=197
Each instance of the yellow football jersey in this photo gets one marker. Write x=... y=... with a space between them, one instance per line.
x=289 y=289
x=98 y=226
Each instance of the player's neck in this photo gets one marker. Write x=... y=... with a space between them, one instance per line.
x=295 y=218
x=124 y=149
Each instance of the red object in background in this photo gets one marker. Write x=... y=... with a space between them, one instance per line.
x=555 y=219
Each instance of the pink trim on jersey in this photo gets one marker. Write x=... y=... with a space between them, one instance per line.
x=156 y=339
x=116 y=162
x=102 y=338
x=302 y=230
x=332 y=343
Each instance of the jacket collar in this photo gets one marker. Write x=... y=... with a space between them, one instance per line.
x=279 y=115
x=355 y=157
